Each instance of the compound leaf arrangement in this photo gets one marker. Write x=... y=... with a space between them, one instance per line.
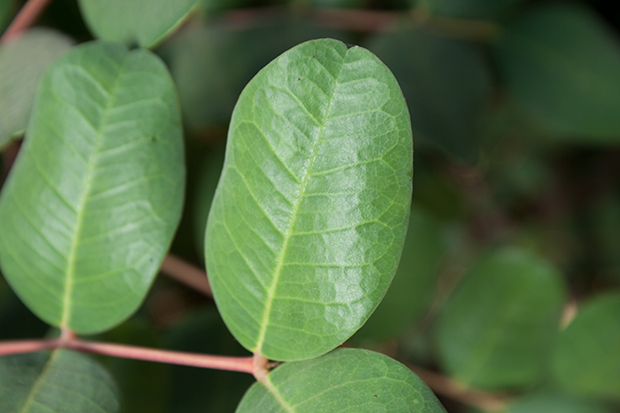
x=204 y=205
x=304 y=236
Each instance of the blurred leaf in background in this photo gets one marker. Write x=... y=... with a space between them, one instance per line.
x=496 y=330
x=586 y=359
x=562 y=63
x=22 y=62
x=469 y=9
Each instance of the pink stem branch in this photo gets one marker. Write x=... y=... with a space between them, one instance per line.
x=241 y=364
x=25 y=18
x=186 y=273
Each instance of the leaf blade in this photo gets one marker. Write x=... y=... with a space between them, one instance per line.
x=104 y=153
x=299 y=198
x=343 y=380
x=62 y=380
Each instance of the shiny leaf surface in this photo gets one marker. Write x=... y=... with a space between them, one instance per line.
x=345 y=380
x=309 y=218
x=141 y=22
x=95 y=195
x=496 y=329
x=60 y=381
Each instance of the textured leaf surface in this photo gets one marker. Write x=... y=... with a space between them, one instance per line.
x=346 y=380
x=21 y=64
x=562 y=63
x=586 y=360
x=446 y=83
x=141 y=22
x=309 y=218
x=60 y=381
x=92 y=202
x=496 y=330
x=414 y=284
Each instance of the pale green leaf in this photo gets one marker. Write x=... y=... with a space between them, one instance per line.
x=562 y=63
x=446 y=82
x=586 y=360
x=345 y=380
x=95 y=195
x=141 y=22
x=497 y=328
x=415 y=283
x=309 y=218
x=57 y=381
x=22 y=62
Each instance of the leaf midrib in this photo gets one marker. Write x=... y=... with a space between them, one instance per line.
x=39 y=382
x=289 y=232
x=71 y=260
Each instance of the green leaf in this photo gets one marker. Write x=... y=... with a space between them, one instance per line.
x=496 y=329
x=309 y=218
x=92 y=202
x=413 y=288
x=345 y=380
x=548 y=403
x=586 y=359
x=141 y=22
x=6 y=11
x=22 y=63
x=446 y=83
x=470 y=9
x=562 y=63
x=60 y=381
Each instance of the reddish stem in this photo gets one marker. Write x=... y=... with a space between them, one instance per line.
x=242 y=364
x=26 y=346
x=186 y=273
x=25 y=18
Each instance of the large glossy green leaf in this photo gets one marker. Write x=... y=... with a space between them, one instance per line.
x=92 y=202
x=141 y=22
x=561 y=62
x=309 y=218
x=345 y=380
x=58 y=381
x=470 y=9
x=446 y=82
x=414 y=285
x=586 y=360
x=22 y=63
x=497 y=328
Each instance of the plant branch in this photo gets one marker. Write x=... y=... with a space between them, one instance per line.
x=449 y=388
x=241 y=364
x=186 y=273
x=25 y=18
